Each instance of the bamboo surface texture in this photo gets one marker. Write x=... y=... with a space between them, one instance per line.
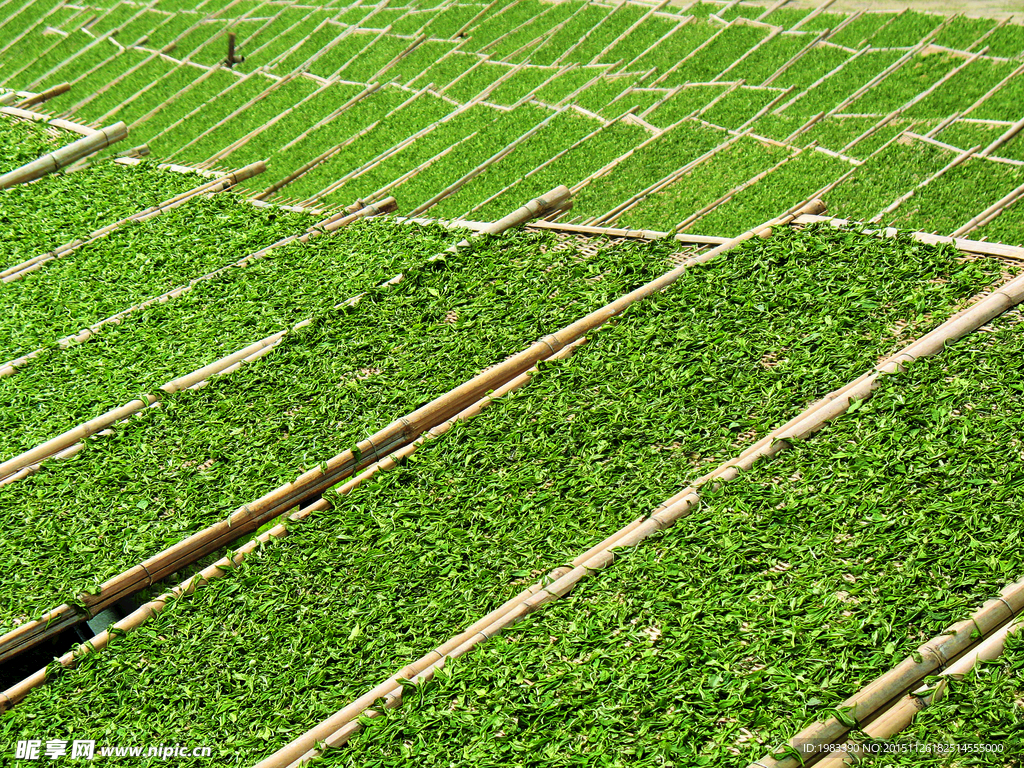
x=53 y=161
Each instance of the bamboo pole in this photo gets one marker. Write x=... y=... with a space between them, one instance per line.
x=226 y=565
x=18 y=271
x=43 y=96
x=813 y=14
x=8 y=99
x=932 y=657
x=901 y=714
x=53 y=161
x=749 y=52
x=1010 y=132
x=286 y=497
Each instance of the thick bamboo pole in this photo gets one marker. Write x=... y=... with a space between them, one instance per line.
x=901 y=714
x=952 y=653
x=43 y=96
x=18 y=271
x=1010 y=132
x=66 y=155
x=251 y=516
x=226 y=565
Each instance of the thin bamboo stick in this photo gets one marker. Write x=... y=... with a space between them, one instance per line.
x=226 y=565
x=18 y=271
x=53 y=161
x=665 y=181
x=458 y=184
x=990 y=213
x=692 y=219
x=1010 y=132
x=813 y=14
x=286 y=497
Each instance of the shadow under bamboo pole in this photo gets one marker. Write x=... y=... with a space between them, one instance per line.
x=247 y=518
x=680 y=505
x=209 y=187
x=228 y=563
x=54 y=161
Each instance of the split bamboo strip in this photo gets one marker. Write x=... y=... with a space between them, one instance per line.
x=336 y=729
x=831 y=73
x=380 y=157
x=766 y=108
x=959 y=159
x=813 y=14
x=49 y=93
x=458 y=184
x=207 y=73
x=241 y=142
x=413 y=172
x=683 y=22
x=998 y=250
x=665 y=181
x=901 y=714
x=636 y=234
x=943 y=124
x=82 y=336
x=544 y=165
x=930 y=658
x=111 y=84
x=227 y=564
x=287 y=497
x=91 y=427
x=7 y=99
x=370 y=89
x=53 y=161
x=771 y=9
x=691 y=54
x=883 y=75
x=98 y=42
x=994 y=90
x=700 y=111
x=629 y=30
x=692 y=219
x=18 y=271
